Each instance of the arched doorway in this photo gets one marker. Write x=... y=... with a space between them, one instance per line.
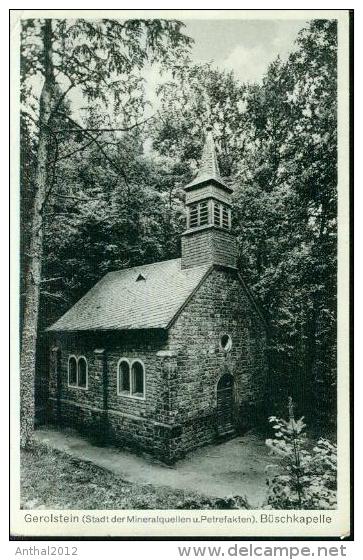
x=225 y=405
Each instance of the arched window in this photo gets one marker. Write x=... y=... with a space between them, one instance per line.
x=221 y=215
x=225 y=217
x=193 y=216
x=131 y=380
x=72 y=370
x=217 y=213
x=78 y=372
x=82 y=372
x=123 y=379
x=137 y=379
x=198 y=214
x=203 y=213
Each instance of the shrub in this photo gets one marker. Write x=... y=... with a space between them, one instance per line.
x=204 y=502
x=303 y=478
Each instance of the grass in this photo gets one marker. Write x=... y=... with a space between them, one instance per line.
x=51 y=479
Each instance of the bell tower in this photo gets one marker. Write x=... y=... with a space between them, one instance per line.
x=208 y=238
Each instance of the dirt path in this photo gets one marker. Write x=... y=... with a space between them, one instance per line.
x=235 y=467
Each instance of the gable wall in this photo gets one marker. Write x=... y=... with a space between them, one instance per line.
x=219 y=306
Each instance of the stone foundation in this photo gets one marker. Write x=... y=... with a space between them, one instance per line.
x=166 y=442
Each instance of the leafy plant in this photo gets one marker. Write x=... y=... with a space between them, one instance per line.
x=276 y=143
x=102 y=60
x=205 y=502
x=305 y=479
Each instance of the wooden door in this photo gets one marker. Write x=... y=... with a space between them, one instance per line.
x=225 y=405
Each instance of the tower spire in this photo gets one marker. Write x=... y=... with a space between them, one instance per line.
x=209 y=163
x=208 y=167
x=208 y=238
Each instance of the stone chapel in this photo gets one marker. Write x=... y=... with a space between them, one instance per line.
x=167 y=356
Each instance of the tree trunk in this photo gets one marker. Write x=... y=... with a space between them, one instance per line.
x=33 y=276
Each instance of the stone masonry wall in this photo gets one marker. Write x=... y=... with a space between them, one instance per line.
x=182 y=371
x=98 y=410
x=220 y=306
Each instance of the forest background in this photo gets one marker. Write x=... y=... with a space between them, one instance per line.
x=102 y=176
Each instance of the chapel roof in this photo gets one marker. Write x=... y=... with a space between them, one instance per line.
x=142 y=297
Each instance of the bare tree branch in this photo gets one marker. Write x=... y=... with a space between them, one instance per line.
x=71 y=197
x=125 y=129
x=51 y=279
x=33 y=119
x=69 y=154
x=119 y=170
x=55 y=296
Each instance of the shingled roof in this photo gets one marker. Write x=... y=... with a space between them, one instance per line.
x=143 y=297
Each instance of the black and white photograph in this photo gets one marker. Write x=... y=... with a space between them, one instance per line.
x=179 y=216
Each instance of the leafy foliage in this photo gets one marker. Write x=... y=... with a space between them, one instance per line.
x=203 y=502
x=101 y=61
x=117 y=222
x=277 y=146
x=305 y=479
x=116 y=197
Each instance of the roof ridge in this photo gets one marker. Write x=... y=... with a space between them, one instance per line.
x=141 y=266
